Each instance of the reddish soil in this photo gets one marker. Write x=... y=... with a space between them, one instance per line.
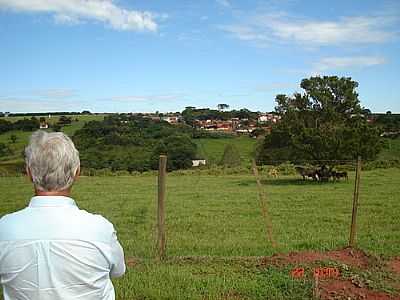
x=394 y=265
x=232 y=295
x=348 y=256
x=328 y=288
x=344 y=289
x=132 y=262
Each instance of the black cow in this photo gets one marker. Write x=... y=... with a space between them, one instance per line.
x=339 y=175
x=307 y=172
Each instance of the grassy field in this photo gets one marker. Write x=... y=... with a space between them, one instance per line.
x=23 y=136
x=220 y=217
x=212 y=149
x=209 y=149
x=391 y=150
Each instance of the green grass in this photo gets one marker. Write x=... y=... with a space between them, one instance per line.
x=23 y=136
x=212 y=149
x=391 y=150
x=220 y=216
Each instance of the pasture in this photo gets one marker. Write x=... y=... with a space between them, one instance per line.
x=216 y=233
x=212 y=149
x=23 y=136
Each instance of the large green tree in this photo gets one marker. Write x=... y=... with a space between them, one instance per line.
x=325 y=122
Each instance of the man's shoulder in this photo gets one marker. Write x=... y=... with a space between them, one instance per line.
x=11 y=217
x=55 y=224
x=96 y=219
x=11 y=220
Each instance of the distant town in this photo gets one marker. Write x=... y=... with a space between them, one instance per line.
x=240 y=122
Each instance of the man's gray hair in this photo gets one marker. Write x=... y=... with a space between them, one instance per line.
x=52 y=160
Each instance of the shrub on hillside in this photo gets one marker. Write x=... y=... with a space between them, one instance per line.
x=4 y=150
x=179 y=149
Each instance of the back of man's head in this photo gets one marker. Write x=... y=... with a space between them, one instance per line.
x=52 y=161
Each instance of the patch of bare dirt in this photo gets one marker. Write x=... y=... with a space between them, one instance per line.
x=132 y=261
x=348 y=256
x=231 y=295
x=345 y=289
x=394 y=265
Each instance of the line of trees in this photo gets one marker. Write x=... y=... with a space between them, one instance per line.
x=24 y=125
x=191 y=113
x=42 y=114
x=133 y=143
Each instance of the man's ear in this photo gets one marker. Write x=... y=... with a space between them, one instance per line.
x=28 y=173
x=78 y=173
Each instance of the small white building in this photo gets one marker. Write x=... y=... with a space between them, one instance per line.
x=172 y=119
x=244 y=131
x=198 y=162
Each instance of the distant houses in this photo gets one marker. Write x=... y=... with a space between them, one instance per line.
x=217 y=125
x=269 y=117
x=240 y=126
x=172 y=119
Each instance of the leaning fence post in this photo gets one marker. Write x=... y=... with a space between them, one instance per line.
x=162 y=174
x=355 y=204
x=264 y=208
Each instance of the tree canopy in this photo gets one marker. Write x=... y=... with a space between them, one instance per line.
x=325 y=122
x=132 y=143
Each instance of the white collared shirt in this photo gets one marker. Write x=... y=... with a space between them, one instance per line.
x=52 y=250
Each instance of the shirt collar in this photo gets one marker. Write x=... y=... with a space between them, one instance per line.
x=52 y=201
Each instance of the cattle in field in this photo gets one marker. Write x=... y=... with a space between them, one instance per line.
x=339 y=175
x=324 y=173
x=307 y=172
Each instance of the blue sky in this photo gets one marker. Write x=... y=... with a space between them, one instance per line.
x=146 y=56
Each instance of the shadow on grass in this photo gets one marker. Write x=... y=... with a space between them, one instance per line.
x=291 y=181
x=284 y=182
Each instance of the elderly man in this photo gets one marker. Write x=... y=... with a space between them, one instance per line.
x=51 y=249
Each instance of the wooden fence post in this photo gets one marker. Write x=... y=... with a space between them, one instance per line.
x=264 y=208
x=353 y=228
x=162 y=174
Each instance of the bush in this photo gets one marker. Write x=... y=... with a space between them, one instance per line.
x=381 y=164
x=286 y=168
x=179 y=149
x=204 y=134
x=4 y=150
x=122 y=173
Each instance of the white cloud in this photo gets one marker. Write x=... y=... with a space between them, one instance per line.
x=74 y=11
x=65 y=19
x=274 y=86
x=281 y=28
x=224 y=3
x=155 y=97
x=17 y=104
x=55 y=93
x=329 y=63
